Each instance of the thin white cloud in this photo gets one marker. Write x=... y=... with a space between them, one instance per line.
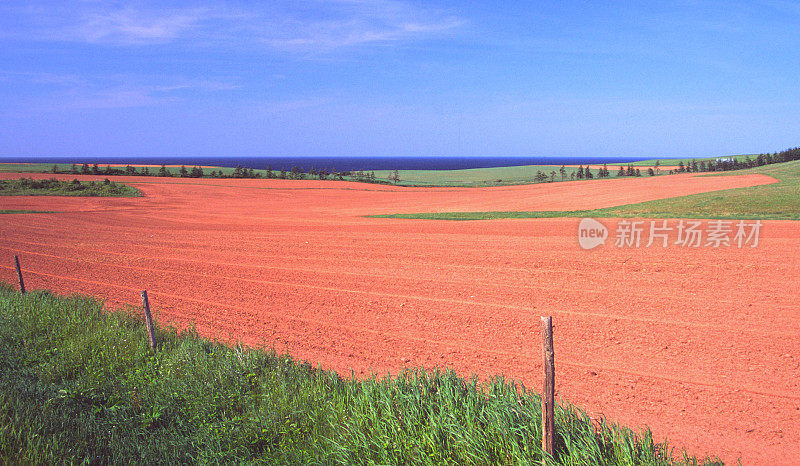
x=119 y=92
x=285 y=25
x=348 y=23
x=130 y=27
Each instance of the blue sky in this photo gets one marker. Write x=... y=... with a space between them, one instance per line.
x=398 y=78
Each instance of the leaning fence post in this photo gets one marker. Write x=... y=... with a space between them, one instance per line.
x=548 y=394
x=148 y=320
x=19 y=275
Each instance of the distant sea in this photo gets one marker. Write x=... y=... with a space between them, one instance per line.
x=334 y=163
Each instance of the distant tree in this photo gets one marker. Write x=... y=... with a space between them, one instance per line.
x=55 y=168
x=651 y=172
x=552 y=176
x=658 y=167
x=146 y=171
x=107 y=170
x=164 y=171
x=621 y=171
x=604 y=171
x=283 y=174
x=85 y=169
x=395 y=176
x=588 y=173
x=638 y=173
x=269 y=172
x=129 y=170
x=630 y=171
x=572 y=176
x=681 y=168
x=95 y=169
x=296 y=173
x=197 y=172
x=580 y=174
x=694 y=166
x=703 y=165
x=563 y=171
x=74 y=168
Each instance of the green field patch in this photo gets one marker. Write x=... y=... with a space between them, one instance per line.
x=776 y=201
x=54 y=187
x=23 y=211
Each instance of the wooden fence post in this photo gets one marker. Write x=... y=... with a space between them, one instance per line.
x=548 y=394
x=19 y=275
x=148 y=320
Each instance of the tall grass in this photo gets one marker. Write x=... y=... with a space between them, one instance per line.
x=80 y=385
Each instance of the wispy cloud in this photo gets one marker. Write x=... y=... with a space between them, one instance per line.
x=282 y=25
x=348 y=23
x=129 y=26
x=73 y=92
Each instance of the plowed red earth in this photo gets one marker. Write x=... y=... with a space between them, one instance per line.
x=700 y=344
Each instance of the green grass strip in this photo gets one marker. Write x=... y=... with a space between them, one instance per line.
x=80 y=385
x=15 y=211
x=777 y=201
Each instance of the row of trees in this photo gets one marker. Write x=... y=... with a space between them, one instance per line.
x=733 y=163
x=296 y=173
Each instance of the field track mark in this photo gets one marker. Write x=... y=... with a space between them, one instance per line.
x=347 y=328
x=680 y=323
x=261 y=266
x=296 y=269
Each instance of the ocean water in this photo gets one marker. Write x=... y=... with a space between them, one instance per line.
x=335 y=163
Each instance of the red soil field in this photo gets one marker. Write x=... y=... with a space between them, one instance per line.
x=700 y=344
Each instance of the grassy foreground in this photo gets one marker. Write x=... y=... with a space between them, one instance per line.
x=81 y=385
x=54 y=187
x=777 y=201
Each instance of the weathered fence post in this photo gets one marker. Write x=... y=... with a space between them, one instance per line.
x=19 y=275
x=148 y=320
x=548 y=394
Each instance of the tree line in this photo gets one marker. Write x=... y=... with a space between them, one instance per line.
x=732 y=163
x=296 y=173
